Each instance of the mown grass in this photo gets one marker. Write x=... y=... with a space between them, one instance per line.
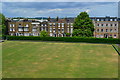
x=22 y=59
x=117 y=46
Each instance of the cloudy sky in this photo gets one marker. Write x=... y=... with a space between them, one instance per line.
x=61 y=9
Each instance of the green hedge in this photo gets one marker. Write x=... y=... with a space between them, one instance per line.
x=66 y=39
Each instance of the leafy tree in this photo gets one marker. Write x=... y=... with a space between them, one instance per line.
x=82 y=33
x=68 y=34
x=43 y=34
x=83 y=25
x=2 y=24
x=2 y=19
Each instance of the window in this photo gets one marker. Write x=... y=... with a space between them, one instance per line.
x=101 y=30
x=10 y=25
x=115 y=36
x=71 y=24
x=10 y=29
x=110 y=35
x=98 y=20
x=26 y=25
x=50 y=29
x=106 y=24
x=115 y=19
x=41 y=24
x=97 y=24
x=68 y=24
x=34 y=29
x=58 y=30
x=51 y=34
x=110 y=30
x=58 y=24
x=53 y=24
x=110 y=24
x=53 y=30
x=62 y=30
x=102 y=19
x=62 y=24
x=97 y=30
x=50 y=24
x=13 y=29
x=115 y=30
x=45 y=24
x=111 y=19
x=26 y=29
x=19 y=25
x=115 y=24
x=13 y=25
x=106 y=30
x=20 y=29
x=101 y=24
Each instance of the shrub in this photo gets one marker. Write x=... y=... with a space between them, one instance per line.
x=67 y=39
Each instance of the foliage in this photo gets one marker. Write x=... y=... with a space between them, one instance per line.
x=82 y=33
x=2 y=19
x=84 y=24
x=2 y=25
x=66 y=39
x=68 y=34
x=43 y=34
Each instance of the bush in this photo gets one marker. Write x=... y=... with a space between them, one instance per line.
x=67 y=39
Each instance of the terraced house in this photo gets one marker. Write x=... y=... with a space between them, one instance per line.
x=104 y=27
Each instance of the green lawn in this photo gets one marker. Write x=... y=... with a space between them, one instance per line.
x=22 y=59
x=117 y=47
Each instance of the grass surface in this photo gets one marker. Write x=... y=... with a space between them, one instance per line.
x=22 y=59
x=117 y=47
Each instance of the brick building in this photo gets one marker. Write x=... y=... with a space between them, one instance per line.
x=104 y=27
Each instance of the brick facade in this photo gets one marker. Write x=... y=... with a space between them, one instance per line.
x=104 y=27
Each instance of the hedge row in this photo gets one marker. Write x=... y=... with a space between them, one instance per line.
x=66 y=39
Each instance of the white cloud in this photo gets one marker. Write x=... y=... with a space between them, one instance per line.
x=88 y=10
x=51 y=10
x=60 y=0
x=93 y=10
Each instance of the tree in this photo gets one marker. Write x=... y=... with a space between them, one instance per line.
x=57 y=18
x=43 y=34
x=2 y=24
x=68 y=34
x=2 y=19
x=83 y=25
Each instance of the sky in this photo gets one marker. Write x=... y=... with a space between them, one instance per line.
x=61 y=9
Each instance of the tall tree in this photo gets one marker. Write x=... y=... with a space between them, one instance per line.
x=2 y=24
x=83 y=25
x=2 y=19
